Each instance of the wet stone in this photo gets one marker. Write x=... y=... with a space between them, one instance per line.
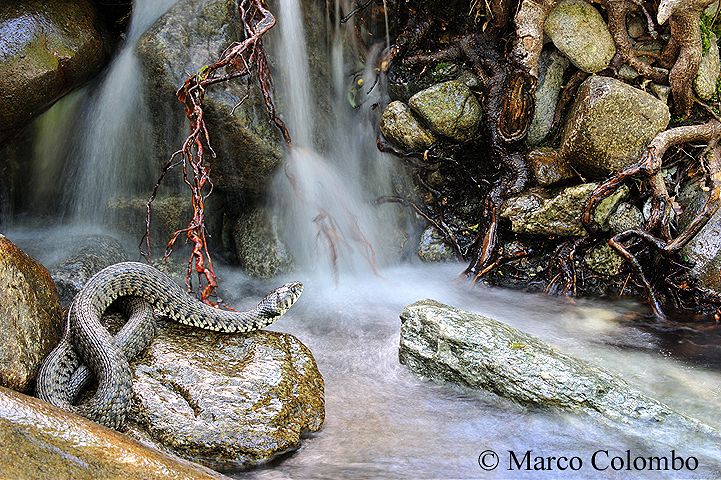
x=603 y=259
x=42 y=442
x=260 y=251
x=550 y=80
x=226 y=401
x=30 y=316
x=450 y=109
x=549 y=168
x=625 y=217
x=433 y=247
x=577 y=29
x=401 y=128
x=610 y=126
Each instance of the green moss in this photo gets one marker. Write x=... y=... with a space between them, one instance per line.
x=710 y=25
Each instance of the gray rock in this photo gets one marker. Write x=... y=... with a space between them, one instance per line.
x=226 y=401
x=400 y=127
x=248 y=146
x=449 y=109
x=604 y=259
x=549 y=169
x=91 y=254
x=636 y=27
x=433 y=247
x=446 y=344
x=557 y=213
x=610 y=126
x=47 y=48
x=579 y=32
x=704 y=251
x=169 y=213
x=550 y=80
x=708 y=71
x=662 y=92
x=692 y=199
x=42 y=442
x=625 y=217
x=30 y=316
x=260 y=251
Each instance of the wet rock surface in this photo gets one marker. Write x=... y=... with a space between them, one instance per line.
x=557 y=213
x=549 y=169
x=169 y=213
x=577 y=29
x=260 y=251
x=30 y=316
x=704 y=252
x=433 y=247
x=449 y=109
x=226 y=401
x=550 y=80
x=400 y=127
x=42 y=442
x=92 y=254
x=47 y=48
x=610 y=125
x=443 y=343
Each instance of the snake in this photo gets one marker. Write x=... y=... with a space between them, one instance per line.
x=148 y=293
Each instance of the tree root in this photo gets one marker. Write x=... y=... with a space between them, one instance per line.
x=241 y=59
x=650 y=166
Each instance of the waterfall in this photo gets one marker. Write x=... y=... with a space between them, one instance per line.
x=324 y=194
x=109 y=157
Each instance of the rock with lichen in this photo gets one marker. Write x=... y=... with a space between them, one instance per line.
x=449 y=109
x=577 y=29
x=557 y=212
x=610 y=125
x=401 y=128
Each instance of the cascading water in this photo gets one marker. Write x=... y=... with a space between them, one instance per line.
x=325 y=195
x=108 y=148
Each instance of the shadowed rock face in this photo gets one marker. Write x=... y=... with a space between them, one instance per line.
x=226 y=401
x=447 y=344
x=47 y=48
x=43 y=442
x=30 y=316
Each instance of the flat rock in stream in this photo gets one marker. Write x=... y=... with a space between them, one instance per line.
x=226 y=401
x=42 y=442
x=447 y=344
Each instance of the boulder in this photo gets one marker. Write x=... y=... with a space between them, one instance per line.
x=708 y=71
x=169 y=213
x=42 y=442
x=260 y=251
x=226 y=401
x=401 y=128
x=47 y=48
x=577 y=29
x=449 y=109
x=91 y=254
x=610 y=125
x=248 y=146
x=550 y=80
x=447 y=344
x=557 y=213
x=30 y=314
x=434 y=248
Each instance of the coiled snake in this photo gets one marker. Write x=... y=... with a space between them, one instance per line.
x=85 y=339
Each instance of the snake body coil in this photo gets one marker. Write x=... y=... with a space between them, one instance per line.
x=61 y=377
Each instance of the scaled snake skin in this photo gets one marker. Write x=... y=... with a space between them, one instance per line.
x=62 y=376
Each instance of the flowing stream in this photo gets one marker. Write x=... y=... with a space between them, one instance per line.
x=381 y=420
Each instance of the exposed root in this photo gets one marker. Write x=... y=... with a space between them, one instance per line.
x=650 y=166
x=241 y=59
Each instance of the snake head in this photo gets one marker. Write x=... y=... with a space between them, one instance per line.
x=282 y=298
